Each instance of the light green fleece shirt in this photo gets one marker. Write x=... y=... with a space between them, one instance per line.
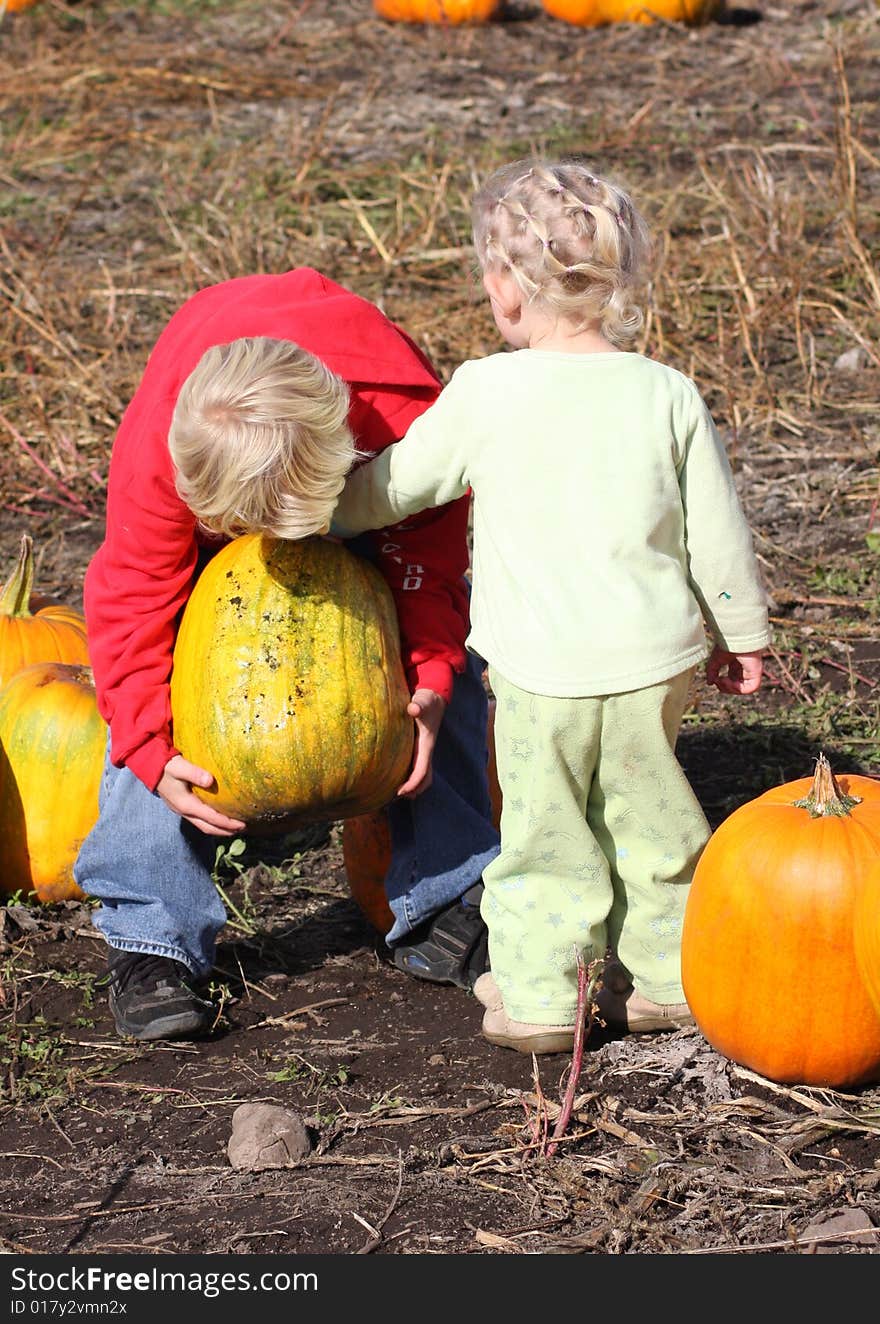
x=607 y=529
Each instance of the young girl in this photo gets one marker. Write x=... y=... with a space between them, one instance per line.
x=607 y=533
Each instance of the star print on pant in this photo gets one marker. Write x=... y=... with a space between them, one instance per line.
x=600 y=835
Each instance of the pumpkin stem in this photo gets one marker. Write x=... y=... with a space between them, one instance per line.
x=826 y=799
x=16 y=594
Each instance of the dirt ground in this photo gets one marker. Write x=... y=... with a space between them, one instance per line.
x=153 y=148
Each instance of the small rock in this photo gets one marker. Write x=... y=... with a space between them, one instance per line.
x=276 y=980
x=852 y=360
x=266 y=1136
x=836 y=1229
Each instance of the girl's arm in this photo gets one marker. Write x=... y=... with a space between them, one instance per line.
x=722 y=566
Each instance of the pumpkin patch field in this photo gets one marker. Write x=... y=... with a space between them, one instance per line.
x=149 y=149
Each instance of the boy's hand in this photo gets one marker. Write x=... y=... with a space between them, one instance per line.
x=175 y=788
x=735 y=673
x=427 y=709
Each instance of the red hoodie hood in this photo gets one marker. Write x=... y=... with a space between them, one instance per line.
x=346 y=332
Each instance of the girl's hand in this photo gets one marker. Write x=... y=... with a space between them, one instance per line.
x=427 y=709
x=735 y=673
x=175 y=788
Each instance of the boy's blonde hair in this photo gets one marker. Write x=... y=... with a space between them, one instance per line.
x=572 y=242
x=260 y=439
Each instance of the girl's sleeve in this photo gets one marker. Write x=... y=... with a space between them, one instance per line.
x=722 y=566
x=426 y=468
x=415 y=495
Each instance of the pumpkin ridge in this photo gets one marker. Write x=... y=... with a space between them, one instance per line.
x=866 y=934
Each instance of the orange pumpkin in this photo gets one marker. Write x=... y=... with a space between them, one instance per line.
x=366 y=855
x=768 y=953
x=598 y=13
x=366 y=848
x=866 y=933
x=437 y=11
x=34 y=628
x=52 y=742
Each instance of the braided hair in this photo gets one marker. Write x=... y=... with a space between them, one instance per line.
x=571 y=241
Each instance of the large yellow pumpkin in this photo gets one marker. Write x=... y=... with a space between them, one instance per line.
x=288 y=684
x=35 y=629
x=768 y=957
x=437 y=11
x=598 y=13
x=366 y=847
x=52 y=742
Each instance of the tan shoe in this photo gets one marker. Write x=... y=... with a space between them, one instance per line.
x=522 y=1036
x=525 y=1037
x=487 y=991
x=628 y=1010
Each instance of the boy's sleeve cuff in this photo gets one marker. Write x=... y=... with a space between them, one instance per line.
x=147 y=762
x=432 y=675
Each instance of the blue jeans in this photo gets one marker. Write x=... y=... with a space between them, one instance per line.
x=151 y=870
x=443 y=839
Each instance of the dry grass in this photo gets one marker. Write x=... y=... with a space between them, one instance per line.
x=148 y=150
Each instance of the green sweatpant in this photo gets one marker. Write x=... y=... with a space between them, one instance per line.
x=600 y=833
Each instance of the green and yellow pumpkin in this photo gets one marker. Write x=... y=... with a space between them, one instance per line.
x=52 y=742
x=288 y=685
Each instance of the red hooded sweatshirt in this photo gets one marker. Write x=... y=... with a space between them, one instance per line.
x=143 y=572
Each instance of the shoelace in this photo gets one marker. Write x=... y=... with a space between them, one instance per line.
x=144 y=968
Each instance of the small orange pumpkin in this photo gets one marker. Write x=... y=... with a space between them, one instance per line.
x=768 y=953
x=598 y=13
x=366 y=855
x=437 y=11
x=34 y=628
x=366 y=847
x=52 y=742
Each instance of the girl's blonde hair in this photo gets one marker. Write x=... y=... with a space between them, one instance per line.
x=260 y=439
x=572 y=242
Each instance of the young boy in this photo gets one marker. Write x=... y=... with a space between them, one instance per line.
x=246 y=419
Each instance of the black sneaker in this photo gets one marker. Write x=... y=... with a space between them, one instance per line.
x=452 y=947
x=151 y=998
